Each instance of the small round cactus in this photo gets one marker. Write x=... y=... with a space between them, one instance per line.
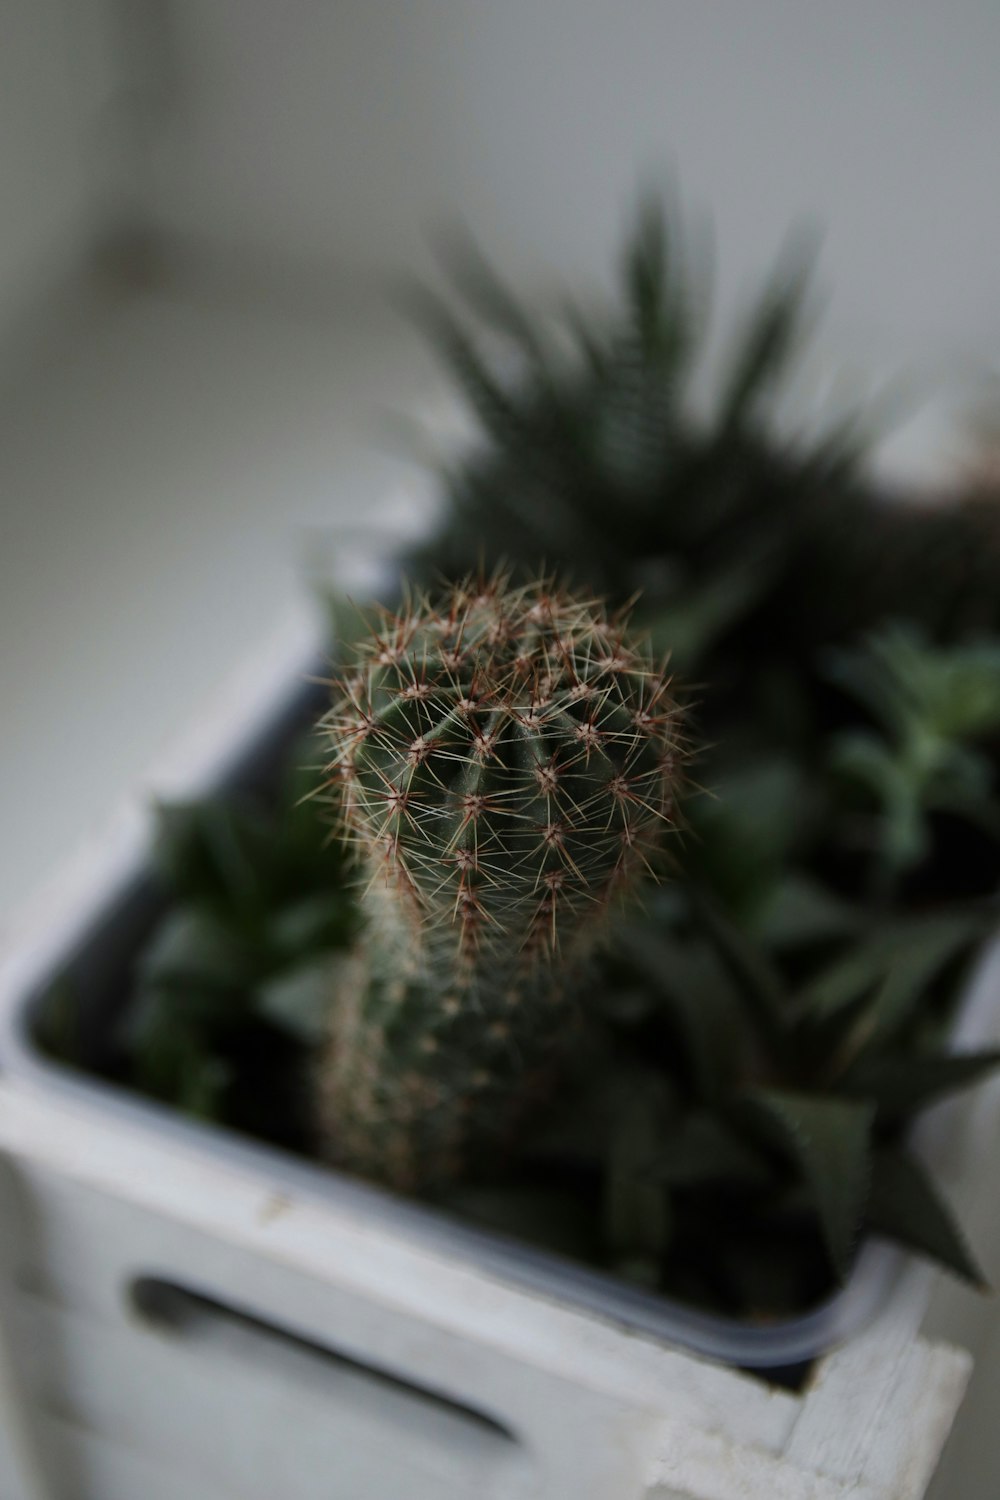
x=506 y=764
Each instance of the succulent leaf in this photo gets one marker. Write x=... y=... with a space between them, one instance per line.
x=931 y=706
x=205 y=850
x=773 y=336
x=592 y=451
x=801 y=912
x=705 y=1150
x=900 y=1086
x=697 y=995
x=891 y=969
x=637 y=1219
x=193 y=948
x=905 y=1204
x=828 y=1141
x=298 y=1001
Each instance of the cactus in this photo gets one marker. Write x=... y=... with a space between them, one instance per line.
x=506 y=765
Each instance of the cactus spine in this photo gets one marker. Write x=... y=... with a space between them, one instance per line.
x=506 y=765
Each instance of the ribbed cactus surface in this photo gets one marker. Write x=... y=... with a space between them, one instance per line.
x=506 y=763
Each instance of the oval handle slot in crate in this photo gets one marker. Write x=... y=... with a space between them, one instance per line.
x=209 y=1324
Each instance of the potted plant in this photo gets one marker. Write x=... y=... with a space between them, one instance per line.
x=713 y=1107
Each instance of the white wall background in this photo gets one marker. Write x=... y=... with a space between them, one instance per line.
x=180 y=447
x=337 y=130
x=60 y=125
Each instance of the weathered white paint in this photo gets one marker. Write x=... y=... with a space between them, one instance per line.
x=592 y=1409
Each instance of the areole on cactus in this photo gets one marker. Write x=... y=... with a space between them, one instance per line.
x=506 y=764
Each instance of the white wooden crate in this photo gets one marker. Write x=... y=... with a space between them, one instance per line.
x=495 y=1389
x=308 y=1344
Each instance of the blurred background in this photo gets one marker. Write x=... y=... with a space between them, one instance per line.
x=204 y=203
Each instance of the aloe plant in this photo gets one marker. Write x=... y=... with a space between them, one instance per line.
x=594 y=454
x=597 y=449
x=768 y=1083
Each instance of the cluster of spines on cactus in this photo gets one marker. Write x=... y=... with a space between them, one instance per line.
x=506 y=762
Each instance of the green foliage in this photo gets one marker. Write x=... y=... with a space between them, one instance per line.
x=901 y=1086
x=594 y=453
x=828 y=1141
x=931 y=708
x=260 y=913
x=783 y=1109
x=917 y=691
x=870 y=559
x=713 y=1094
x=905 y=1205
x=800 y=1029
x=756 y=1039
x=801 y=1025
x=636 y=1207
x=761 y=1036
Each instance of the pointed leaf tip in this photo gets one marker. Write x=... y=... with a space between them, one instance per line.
x=828 y=1140
x=905 y=1205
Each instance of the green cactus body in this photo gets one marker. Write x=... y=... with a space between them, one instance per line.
x=507 y=766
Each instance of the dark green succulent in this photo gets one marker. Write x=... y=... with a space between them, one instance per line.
x=934 y=712
x=231 y=992
x=596 y=453
x=592 y=455
x=806 y=1053
x=863 y=559
x=766 y=1033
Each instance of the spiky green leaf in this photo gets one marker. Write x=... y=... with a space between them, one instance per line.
x=772 y=337
x=192 y=948
x=211 y=851
x=746 y=831
x=299 y=1001
x=637 y=1218
x=756 y=978
x=702 y=1150
x=476 y=279
x=828 y=1141
x=902 y=1085
x=905 y=1204
x=172 y=1055
x=802 y=912
x=688 y=624
x=500 y=414
x=691 y=985
x=895 y=965
x=313 y=924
